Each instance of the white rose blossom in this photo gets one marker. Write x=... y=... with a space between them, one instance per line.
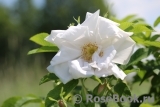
x=90 y=48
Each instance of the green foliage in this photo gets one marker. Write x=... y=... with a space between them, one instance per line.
x=40 y=39
x=140 y=54
x=157 y=21
x=55 y=93
x=47 y=78
x=44 y=49
x=147 y=105
x=11 y=102
x=20 y=101
x=121 y=88
x=46 y=46
x=142 y=35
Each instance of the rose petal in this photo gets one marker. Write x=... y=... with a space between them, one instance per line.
x=102 y=18
x=75 y=35
x=104 y=72
x=124 y=48
x=117 y=72
x=61 y=71
x=65 y=54
x=91 y=22
x=105 y=59
x=108 y=29
x=80 y=69
x=111 y=70
x=52 y=38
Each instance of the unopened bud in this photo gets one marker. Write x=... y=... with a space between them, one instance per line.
x=60 y=103
x=101 y=88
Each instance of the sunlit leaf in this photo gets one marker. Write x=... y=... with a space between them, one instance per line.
x=148 y=74
x=138 y=39
x=132 y=70
x=157 y=21
x=39 y=39
x=125 y=25
x=128 y=18
x=146 y=105
x=44 y=49
x=138 y=20
x=141 y=74
x=140 y=28
x=152 y=43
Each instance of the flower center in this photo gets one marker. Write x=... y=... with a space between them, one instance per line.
x=88 y=50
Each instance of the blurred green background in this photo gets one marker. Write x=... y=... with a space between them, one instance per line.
x=19 y=73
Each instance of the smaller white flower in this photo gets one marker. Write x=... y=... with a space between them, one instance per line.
x=90 y=48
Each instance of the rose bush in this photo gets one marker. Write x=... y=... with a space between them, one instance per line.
x=100 y=48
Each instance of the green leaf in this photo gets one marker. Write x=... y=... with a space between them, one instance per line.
x=96 y=79
x=20 y=101
x=145 y=105
x=138 y=39
x=11 y=102
x=152 y=43
x=140 y=28
x=83 y=93
x=44 y=49
x=141 y=74
x=148 y=74
x=137 y=56
x=138 y=20
x=146 y=42
x=28 y=99
x=128 y=18
x=155 y=81
x=155 y=37
x=125 y=25
x=48 y=77
x=39 y=39
x=122 y=89
x=132 y=70
x=157 y=21
x=55 y=93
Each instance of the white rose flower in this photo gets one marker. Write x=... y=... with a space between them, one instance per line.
x=90 y=48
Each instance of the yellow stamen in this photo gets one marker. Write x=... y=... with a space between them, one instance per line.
x=88 y=50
